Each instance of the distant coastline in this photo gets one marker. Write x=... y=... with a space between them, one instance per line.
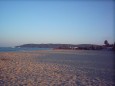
x=68 y=46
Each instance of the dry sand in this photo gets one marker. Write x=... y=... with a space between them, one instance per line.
x=21 y=69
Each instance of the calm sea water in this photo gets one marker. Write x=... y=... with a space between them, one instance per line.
x=10 y=49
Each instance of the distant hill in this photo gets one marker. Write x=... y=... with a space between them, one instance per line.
x=43 y=45
x=56 y=45
x=87 y=45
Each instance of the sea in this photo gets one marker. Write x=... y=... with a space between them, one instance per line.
x=12 y=49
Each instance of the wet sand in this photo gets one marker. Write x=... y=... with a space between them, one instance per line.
x=56 y=68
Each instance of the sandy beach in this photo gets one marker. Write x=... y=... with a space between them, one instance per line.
x=56 y=68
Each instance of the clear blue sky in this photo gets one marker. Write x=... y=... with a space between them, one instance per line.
x=70 y=22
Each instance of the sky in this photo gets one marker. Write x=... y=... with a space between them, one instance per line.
x=68 y=22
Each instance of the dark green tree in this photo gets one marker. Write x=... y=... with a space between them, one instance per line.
x=106 y=43
x=113 y=47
